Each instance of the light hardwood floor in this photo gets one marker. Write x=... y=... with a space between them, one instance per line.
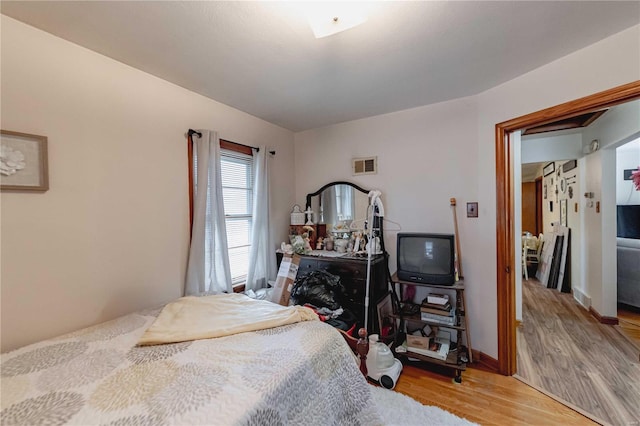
x=629 y=326
x=484 y=397
x=563 y=350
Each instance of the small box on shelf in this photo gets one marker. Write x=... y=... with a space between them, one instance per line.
x=438 y=299
x=433 y=346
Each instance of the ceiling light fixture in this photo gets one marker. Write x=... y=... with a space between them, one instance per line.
x=331 y=18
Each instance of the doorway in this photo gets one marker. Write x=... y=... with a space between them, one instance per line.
x=532 y=198
x=505 y=211
x=628 y=240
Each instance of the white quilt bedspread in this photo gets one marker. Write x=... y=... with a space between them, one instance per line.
x=301 y=373
x=194 y=318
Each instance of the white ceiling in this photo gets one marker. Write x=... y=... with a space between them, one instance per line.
x=531 y=171
x=633 y=145
x=262 y=57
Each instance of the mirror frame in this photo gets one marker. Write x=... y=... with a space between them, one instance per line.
x=339 y=182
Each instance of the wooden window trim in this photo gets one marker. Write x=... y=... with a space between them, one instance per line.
x=234 y=146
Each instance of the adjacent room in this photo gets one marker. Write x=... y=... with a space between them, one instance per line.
x=555 y=228
x=318 y=213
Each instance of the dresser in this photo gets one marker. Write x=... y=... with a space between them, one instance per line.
x=353 y=276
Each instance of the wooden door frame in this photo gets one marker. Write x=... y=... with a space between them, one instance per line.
x=529 y=207
x=505 y=250
x=539 y=221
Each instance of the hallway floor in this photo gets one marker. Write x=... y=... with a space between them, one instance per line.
x=629 y=325
x=563 y=350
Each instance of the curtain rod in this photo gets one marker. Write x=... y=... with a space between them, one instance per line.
x=199 y=134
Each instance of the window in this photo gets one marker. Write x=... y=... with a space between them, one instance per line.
x=237 y=191
x=344 y=202
x=236 y=169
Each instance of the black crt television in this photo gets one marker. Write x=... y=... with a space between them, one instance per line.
x=426 y=258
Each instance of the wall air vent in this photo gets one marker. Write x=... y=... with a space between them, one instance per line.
x=365 y=166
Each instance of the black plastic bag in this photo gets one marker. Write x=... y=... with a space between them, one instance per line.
x=319 y=288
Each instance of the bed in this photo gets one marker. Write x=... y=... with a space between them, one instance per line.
x=302 y=373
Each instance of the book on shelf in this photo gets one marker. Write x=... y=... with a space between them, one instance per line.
x=445 y=313
x=434 y=346
x=440 y=319
x=437 y=299
x=444 y=307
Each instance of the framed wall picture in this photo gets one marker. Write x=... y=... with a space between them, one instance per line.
x=548 y=169
x=385 y=319
x=569 y=165
x=627 y=174
x=23 y=162
x=563 y=212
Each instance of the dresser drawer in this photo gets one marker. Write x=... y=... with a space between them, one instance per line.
x=344 y=270
x=306 y=266
x=354 y=289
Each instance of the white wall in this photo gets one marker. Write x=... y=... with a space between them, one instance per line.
x=431 y=153
x=609 y=289
x=538 y=148
x=111 y=234
x=617 y=126
x=627 y=157
x=553 y=184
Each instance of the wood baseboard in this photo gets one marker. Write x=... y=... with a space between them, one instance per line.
x=489 y=363
x=603 y=319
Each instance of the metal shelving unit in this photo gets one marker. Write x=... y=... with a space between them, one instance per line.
x=455 y=359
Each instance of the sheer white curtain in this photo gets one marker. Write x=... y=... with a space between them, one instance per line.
x=348 y=202
x=262 y=258
x=208 y=266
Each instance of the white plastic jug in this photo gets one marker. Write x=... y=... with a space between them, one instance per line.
x=380 y=356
